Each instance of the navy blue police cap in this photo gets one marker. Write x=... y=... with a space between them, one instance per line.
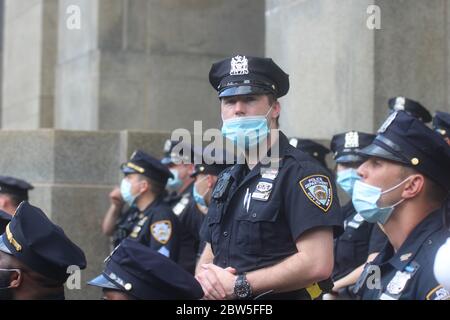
x=411 y=107
x=441 y=123
x=145 y=274
x=405 y=139
x=40 y=244
x=241 y=75
x=11 y=185
x=186 y=154
x=346 y=146
x=314 y=149
x=143 y=163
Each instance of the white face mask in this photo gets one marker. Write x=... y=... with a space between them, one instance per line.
x=442 y=265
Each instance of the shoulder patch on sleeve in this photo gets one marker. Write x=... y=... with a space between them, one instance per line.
x=318 y=189
x=438 y=293
x=161 y=230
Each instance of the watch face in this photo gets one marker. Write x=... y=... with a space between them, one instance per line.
x=242 y=288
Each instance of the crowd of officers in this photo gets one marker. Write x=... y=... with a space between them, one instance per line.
x=254 y=229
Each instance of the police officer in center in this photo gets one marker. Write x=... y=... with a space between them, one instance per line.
x=133 y=271
x=269 y=228
x=35 y=257
x=403 y=187
x=149 y=219
x=361 y=240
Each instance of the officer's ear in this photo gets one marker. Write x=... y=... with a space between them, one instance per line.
x=413 y=186
x=212 y=179
x=16 y=278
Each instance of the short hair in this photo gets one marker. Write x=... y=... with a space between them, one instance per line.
x=156 y=187
x=272 y=99
x=433 y=191
x=15 y=198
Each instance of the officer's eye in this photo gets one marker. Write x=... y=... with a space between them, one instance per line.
x=229 y=102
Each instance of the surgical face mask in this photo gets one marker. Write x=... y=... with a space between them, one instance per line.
x=199 y=199
x=246 y=132
x=365 y=198
x=125 y=191
x=346 y=180
x=5 y=282
x=442 y=265
x=175 y=183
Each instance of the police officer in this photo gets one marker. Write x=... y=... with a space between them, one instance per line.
x=441 y=124
x=411 y=107
x=35 y=255
x=205 y=175
x=181 y=165
x=403 y=187
x=179 y=157
x=361 y=241
x=149 y=219
x=12 y=192
x=314 y=149
x=269 y=228
x=135 y=272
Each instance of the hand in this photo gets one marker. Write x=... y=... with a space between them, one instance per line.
x=116 y=197
x=217 y=283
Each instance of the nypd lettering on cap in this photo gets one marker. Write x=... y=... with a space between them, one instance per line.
x=239 y=66
x=293 y=142
x=399 y=104
x=351 y=139
x=387 y=123
x=319 y=191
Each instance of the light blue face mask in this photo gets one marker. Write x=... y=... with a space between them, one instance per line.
x=199 y=199
x=346 y=180
x=365 y=198
x=246 y=132
x=175 y=183
x=125 y=191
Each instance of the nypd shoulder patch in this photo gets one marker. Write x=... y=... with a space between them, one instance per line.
x=318 y=189
x=161 y=230
x=438 y=293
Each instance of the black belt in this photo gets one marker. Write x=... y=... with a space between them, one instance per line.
x=313 y=292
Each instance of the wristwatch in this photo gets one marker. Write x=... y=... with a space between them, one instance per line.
x=242 y=288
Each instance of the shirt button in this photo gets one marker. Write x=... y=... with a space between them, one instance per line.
x=254 y=215
x=225 y=234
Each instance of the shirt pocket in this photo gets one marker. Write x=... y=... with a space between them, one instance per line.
x=213 y=221
x=257 y=227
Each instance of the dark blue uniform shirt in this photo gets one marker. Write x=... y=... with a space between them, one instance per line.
x=408 y=273
x=256 y=216
x=181 y=206
x=359 y=240
x=158 y=228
